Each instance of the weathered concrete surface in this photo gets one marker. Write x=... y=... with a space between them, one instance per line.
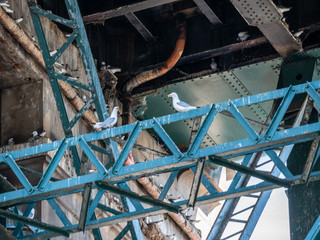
x=21 y=110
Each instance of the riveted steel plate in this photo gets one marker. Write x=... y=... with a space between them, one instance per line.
x=257 y=12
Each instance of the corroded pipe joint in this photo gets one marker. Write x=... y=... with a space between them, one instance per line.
x=163 y=68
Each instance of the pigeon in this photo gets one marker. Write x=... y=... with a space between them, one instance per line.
x=242 y=36
x=214 y=65
x=34 y=133
x=178 y=105
x=109 y=122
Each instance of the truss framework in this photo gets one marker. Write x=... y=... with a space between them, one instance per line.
x=114 y=176
x=104 y=178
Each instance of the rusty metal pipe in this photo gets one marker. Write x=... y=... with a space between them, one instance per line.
x=163 y=68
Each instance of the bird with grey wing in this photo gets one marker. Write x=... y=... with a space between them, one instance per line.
x=179 y=105
x=109 y=122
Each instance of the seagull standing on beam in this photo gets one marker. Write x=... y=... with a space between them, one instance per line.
x=178 y=105
x=109 y=122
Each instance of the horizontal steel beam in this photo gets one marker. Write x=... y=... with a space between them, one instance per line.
x=132 y=195
x=34 y=223
x=102 y=16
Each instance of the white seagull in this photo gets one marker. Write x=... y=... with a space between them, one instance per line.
x=109 y=122
x=178 y=105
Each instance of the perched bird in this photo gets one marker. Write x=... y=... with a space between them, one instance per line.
x=42 y=134
x=53 y=52
x=178 y=105
x=297 y=34
x=242 y=36
x=213 y=65
x=7 y=10
x=283 y=9
x=34 y=133
x=19 y=20
x=10 y=142
x=31 y=214
x=4 y=3
x=109 y=122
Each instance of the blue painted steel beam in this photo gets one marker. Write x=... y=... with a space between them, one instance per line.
x=282 y=109
x=279 y=164
x=129 y=194
x=93 y=158
x=161 y=164
x=196 y=183
x=82 y=111
x=264 y=197
x=84 y=207
x=53 y=17
x=94 y=203
x=225 y=211
x=249 y=171
x=127 y=147
x=20 y=225
x=123 y=232
x=62 y=49
x=128 y=216
x=17 y=171
x=34 y=223
x=166 y=139
x=52 y=165
x=243 y=122
x=314 y=233
x=195 y=144
x=72 y=81
x=168 y=184
x=57 y=209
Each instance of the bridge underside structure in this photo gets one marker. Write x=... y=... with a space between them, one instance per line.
x=113 y=177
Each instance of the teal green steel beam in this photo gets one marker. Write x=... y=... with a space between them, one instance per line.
x=127 y=147
x=71 y=81
x=53 y=17
x=166 y=138
x=85 y=206
x=128 y=216
x=80 y=113
x=195 y=144
x=169 y=183
x=62 y=216
x=246 y=170
x=135 y=196
x=17 y=171
x=196 y=183
x=53 y=81
x=279 y=164
x=244 y=123
x=52 y=165
x=108 y=209
x=123 y=232
x=90 y=154
x=282 y=109
x=19 y=225
x=34 y=223
x=94 y=203
x=100 y=149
